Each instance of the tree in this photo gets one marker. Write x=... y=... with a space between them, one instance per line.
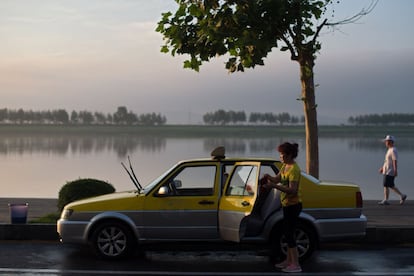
x=60 y=116
x=121 y=115
x=74 y=117
x=3 y=114
x=86 y=117
x=223 y=117
x=247 y=30
x=100 y=117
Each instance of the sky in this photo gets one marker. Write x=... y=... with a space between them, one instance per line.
x=97 y=55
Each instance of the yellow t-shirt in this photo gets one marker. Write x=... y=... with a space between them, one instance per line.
x=291 y=174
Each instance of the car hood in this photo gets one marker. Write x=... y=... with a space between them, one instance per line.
x=103 y=200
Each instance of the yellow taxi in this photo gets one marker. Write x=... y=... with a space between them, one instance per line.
x=212 y=199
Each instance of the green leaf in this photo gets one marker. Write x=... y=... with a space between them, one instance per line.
x=164 y=49
x=308 y=31
x=187 y=64
x=194 y=10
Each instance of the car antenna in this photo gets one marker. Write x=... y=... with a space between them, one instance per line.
x=133 y=173
x=132 y=176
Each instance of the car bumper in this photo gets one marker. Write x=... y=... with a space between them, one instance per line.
x=334 y=229
x=72 y=231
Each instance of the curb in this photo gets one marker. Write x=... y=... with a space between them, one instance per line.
x=46 y=232
x=385 y=235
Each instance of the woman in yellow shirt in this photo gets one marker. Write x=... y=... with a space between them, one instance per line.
x=287 y=182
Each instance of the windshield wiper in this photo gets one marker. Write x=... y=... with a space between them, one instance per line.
x=132 y=175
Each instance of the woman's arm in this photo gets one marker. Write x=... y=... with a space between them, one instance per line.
x=291 y=189
x=273 y=179
x=274 y=182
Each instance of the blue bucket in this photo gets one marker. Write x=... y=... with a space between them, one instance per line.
x=18 y=213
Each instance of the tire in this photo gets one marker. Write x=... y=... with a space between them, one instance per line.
x=112 y=240
x=306 y=241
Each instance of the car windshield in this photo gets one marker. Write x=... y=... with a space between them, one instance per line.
x=311 y=178
x=151 y=185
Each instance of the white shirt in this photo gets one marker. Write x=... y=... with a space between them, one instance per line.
x=390 y=156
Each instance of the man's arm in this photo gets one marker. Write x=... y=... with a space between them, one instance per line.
x=394 y=164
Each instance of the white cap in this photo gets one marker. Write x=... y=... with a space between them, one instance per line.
x=389 y=138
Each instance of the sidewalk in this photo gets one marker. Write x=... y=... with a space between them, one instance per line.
x=392 y=223
x=393 y=215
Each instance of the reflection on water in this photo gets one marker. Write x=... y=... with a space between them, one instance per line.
x=49 y=161
x=86 y=144
x=403 y=144
x=121 y=145
x=251 y=147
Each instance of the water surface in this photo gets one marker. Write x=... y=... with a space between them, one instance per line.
x=39 y=165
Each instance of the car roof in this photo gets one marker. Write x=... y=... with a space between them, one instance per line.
x=233 y=160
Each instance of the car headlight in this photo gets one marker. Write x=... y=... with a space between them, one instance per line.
x=66 y=213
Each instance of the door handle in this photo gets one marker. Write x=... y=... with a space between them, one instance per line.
x=206 y=202
x=245 y=203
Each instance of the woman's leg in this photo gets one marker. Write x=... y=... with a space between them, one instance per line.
x=291 y=214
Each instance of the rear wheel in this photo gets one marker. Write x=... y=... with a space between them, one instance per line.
x=112 y=240
x=306 y=241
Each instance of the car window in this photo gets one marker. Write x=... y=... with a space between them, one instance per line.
x=226 y=169
x=194 y=181
x=267 y=169
x=243 y=181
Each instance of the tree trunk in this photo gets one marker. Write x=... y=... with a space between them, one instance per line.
x=306 y=63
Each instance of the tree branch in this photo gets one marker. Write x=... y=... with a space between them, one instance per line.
x=293 y=55
x=318 y=30
x=357 y=16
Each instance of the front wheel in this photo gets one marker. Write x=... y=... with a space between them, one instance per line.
x=306 y=241
x=112 y=240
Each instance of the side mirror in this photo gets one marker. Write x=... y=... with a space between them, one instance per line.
x=177 y=183
x=163 y=191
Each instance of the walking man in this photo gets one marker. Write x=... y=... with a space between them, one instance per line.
x=389 y=170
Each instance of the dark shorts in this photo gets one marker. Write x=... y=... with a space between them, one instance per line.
x=389 y=181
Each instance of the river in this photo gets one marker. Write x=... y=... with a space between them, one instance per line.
x=39 y=165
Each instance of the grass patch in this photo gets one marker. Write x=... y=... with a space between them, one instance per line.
x=49 y=218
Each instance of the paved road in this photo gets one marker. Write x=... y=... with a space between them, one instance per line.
x=52 y=258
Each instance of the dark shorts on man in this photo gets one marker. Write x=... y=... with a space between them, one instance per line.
x=389 y=181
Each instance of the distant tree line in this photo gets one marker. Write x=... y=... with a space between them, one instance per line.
x=60 y=116
x=382 y=119
x=222 y=117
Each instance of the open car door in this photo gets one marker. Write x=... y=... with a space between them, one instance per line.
x=238 y=199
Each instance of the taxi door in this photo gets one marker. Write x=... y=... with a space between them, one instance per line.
x=238 y=199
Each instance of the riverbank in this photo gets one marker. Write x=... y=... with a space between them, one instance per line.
x=207 y=130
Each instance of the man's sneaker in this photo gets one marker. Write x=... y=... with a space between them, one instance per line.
x=383 y=202
x=292 y=269
x=281 y=265
x=403 y=198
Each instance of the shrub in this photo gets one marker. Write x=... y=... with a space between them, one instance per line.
x=82 y=188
